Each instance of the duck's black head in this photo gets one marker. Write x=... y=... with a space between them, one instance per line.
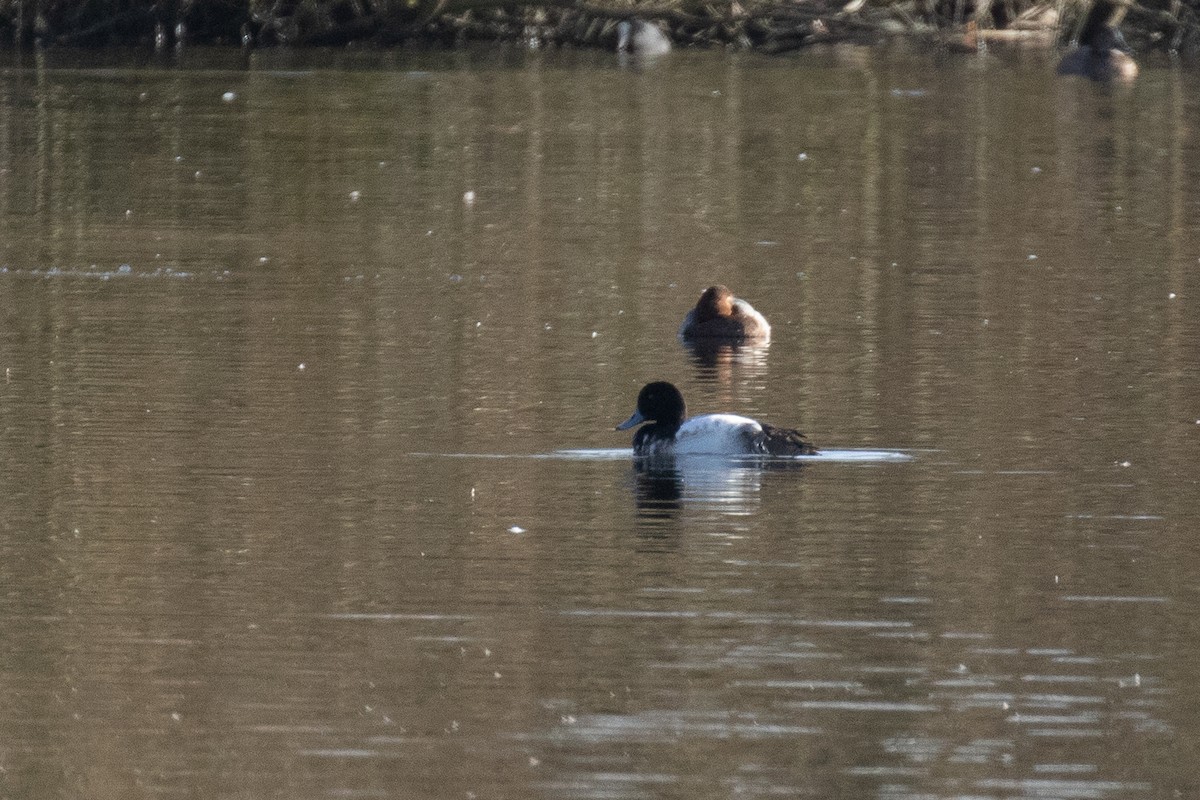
x=1100 y=30
x=658 y=402
x=1110 y=38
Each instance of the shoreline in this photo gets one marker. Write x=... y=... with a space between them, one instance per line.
x=766 y=27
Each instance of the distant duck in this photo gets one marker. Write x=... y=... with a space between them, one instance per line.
x=719 y=316
x=639 y=37
x=670 y=433
x=1102 y=54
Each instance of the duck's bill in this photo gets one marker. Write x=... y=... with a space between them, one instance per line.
x=636 y=419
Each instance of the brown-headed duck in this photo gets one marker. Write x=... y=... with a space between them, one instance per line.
x=720 y=316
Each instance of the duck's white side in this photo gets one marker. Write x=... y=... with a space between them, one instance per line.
x=717 y=434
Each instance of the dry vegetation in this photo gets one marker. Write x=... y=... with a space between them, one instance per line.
x=764 y=25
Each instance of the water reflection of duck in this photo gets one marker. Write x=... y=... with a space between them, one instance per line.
x=719 y=316
x=717 y=361
x=659 y=491
x=670 y=433
x=641 y=38
x=1102 y=54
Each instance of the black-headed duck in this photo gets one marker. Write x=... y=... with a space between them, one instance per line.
x=1102 y=54
x=670 y=433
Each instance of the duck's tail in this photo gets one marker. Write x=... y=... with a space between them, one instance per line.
x=785 y=442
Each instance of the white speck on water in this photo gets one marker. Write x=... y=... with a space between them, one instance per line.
x=534 y=761
x=229 y=97
x=496 y=675
x=178 y=159
x=478 y=324
x=197 y=175
x=469 y=198
x=175 y=715
x=129 y=213
x=516 y=529
x=1171 y=296
x=1126 y=464
x=1032 y=257
x=1036 y=170
x=355 y=195
x=456 y=278
x=1128 y=683
x=263 y=259
x=144 y=96
x=802 y=157
x=986 y=321
x=595 y=334
x=124 y=269
x=300 y=366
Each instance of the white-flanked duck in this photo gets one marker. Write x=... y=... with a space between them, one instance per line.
x=1102 y=54
x=670 y=433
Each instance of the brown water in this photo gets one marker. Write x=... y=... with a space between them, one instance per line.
x=307 y=470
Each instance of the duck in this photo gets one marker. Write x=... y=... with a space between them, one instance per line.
x=719 y=316
x=641 y=38
x=670 y=433
x=1102 y=54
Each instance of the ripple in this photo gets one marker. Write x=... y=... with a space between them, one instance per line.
x=669 y=725
x=866 y=705
x=1110 y=598
x=1070 y=789
x=353 y=615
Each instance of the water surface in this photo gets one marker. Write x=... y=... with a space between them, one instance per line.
x=294 y=347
